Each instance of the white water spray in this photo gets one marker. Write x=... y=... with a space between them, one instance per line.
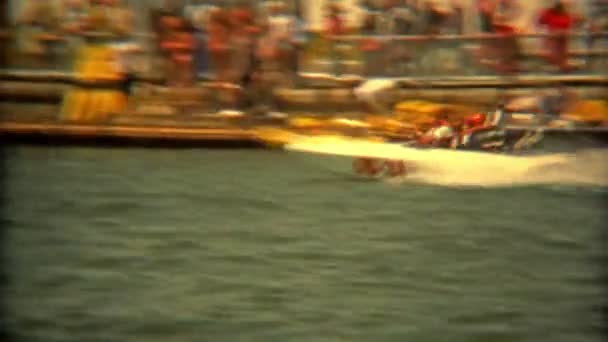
x=464 y=168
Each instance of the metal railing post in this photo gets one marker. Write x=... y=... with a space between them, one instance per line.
x=458 y=40
x=595 y=55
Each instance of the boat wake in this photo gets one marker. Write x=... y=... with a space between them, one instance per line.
x=471 y=169
x=586 y=168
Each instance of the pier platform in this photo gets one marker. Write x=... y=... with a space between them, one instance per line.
x=123 y=135
x=30 y=106
x=59 y=134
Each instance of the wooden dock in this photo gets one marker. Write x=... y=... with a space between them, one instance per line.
x=50 y=134
x=114 y=135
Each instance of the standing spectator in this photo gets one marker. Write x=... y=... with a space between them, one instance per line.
x=499 y=17
x=457 y=16
x=266 y=75
x=110 y=18
x=281 y=28
x=598 y=15
x=335 y=27
x=384 y=18
x=179 y=45
x=299 y=39
x=199 y=17
x=505 y=16
x=334 y=23
x=436 y=16
x=507 y=48
x=371 y=46
x=74 y=14
x=158 y=61
x=172 y=6
x=183 y=54
x=219 y=30
x=597 y=22
x=399 y=19
x=98 y=20
x=485 y=10
x=39 y=28
x=242 y=40
x=403 y=17
x=241 y=44
x=558 y=21
x=121 y=19
x=121 y=24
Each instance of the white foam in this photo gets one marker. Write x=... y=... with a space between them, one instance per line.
x=465 y=168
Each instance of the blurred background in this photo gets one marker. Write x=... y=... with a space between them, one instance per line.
x=159 y=244
x=243 y=53
x=56 y=29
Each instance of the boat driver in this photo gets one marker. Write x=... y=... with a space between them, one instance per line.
x=439 y=135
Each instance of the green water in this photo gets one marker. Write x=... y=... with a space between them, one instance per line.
x=202 y=245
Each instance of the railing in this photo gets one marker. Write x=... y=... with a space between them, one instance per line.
x=456 y=55
x=397 y=56
x=61 y=50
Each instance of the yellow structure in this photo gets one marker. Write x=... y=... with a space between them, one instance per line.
x=421 y=114
x=95 y=64
x=589 y=111
x=390 y=126
x=275 y=137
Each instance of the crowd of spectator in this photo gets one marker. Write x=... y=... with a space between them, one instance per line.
x=48 y=30
x=501 y=18
x=248 y=42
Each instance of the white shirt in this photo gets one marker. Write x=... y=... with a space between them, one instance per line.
x=281 y=26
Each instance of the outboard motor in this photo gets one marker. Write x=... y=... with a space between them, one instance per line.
x=482 y=132
x=486 y=139
x=498 y=118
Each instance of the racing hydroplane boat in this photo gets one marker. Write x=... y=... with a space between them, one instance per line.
x=483 y=146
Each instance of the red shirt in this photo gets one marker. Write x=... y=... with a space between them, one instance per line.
x=504 y=29
x=441 y=122
x=556 y=21
x=218 y=37
x=334 y=25
x=485 y=6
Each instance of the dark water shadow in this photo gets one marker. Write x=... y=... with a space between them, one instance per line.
x=334 y=177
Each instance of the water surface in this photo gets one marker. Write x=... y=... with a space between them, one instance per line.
x=202 y=245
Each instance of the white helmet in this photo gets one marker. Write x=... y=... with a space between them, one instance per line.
x=443 y=132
